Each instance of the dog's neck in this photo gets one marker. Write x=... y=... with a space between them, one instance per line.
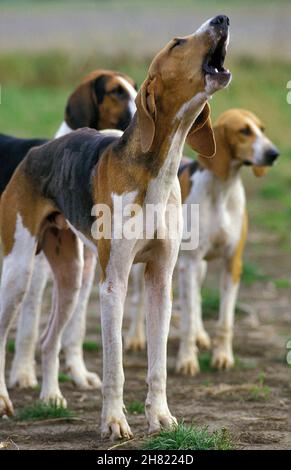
x=171 y=129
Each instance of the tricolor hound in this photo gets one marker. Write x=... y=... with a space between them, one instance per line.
x=104 y=100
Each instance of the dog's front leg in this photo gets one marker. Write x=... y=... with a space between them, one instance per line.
x=158 y=284
x=112 y=296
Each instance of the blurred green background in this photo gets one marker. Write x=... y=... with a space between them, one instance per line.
x=47 y=46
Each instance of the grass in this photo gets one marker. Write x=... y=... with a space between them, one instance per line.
x=91 y=346
x=10 y=347
x=192 y=437
x=130 y=4
x=135 y=407
x=261 y=391
x=252 y=273
x=40 y=411
x=64 y=378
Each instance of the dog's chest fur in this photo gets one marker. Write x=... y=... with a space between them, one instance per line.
x=221 y=211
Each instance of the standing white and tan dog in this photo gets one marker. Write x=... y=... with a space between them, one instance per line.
x=56 y=186
x=216 y=186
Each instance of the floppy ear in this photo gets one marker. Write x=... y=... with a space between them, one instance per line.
x=201 y=137
x=146 y=113
x=82 y=109
x=259 y=170
x=220 y=164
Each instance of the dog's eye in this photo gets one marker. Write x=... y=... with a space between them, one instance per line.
x=245 y=130
x=177 y=42
x=262 y=128
x=119 y=92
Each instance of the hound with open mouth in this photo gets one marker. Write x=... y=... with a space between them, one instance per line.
x=53 y=189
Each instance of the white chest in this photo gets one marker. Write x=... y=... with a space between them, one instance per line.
x=221 y=212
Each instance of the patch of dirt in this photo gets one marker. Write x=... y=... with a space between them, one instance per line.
x=216 y=399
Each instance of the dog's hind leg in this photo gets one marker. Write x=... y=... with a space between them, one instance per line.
x=135 y=338
x=23 y=373
x=64 y=252
x=74 y=332
x=202 y=337
x=16 y=271
x=190 y=304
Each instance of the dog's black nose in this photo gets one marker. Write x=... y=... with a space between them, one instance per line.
x=220 y=20
x=271 y=155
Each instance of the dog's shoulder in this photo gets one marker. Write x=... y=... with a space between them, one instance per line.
x=62 y=171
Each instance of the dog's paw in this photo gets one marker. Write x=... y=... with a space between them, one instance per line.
x=159 y=418
x=85 y=380
x=188 y=365
x=80 y=375
x=23 y=378
x=134 y=342
x=54 y=398
x=222 y=358
x=203 y=340
x=115 y=427
x=6 y=407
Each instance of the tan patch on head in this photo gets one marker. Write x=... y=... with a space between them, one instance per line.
x=83 y=109
x=235 y=134
x=114 y=104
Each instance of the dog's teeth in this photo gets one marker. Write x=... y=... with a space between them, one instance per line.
x=215 y=70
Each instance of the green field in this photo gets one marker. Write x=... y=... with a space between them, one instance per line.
x=34 y=90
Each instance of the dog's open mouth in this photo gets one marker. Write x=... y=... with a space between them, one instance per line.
x=213 y=62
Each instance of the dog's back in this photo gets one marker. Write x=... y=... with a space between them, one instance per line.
x=62 y=171
x=12 y=152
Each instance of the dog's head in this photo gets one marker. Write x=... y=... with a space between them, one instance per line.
x=241 y=140
x=104 y=100
x=183 y=75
